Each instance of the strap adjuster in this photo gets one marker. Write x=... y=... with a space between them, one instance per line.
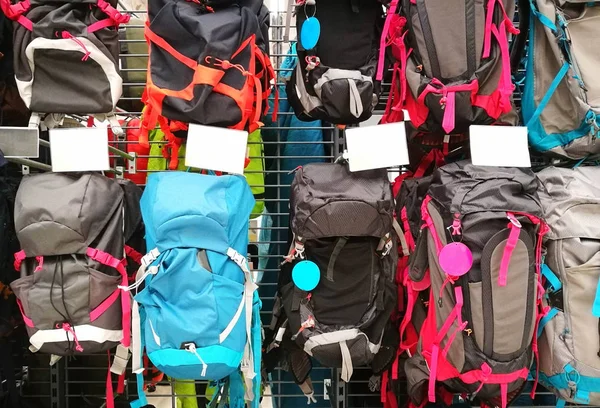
x=150 y=257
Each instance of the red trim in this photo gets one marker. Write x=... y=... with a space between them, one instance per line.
x=133 y=254
x=40 y=260
x=26 y=319
x=107 y=259
x=110 y=397
x=511 y=243
x=99 y=25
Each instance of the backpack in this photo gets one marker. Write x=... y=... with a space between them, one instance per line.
x=482 y=225
x=342 y=222
x=452 y=63
x=198 y=310
x=569 y=333
x=561 y=99
x=335 y=80
x=54 y=39
x=70 y=227
x=207 y=66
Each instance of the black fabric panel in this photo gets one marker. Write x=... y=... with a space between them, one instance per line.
x=338 y=21
x=56 y=90
x=429 y=43
x=471 y=43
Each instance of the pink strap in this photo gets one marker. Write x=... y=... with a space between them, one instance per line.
x=99 y=25
x=102 y=307
x=26 y=319
x=407 y=234
x=15 y=12
x=383 y=41
x=487 y=42
x=435 y=351
x=504 y=394
x=113 y=13
x=107 y=259
x=410 y=305
x=511 y=243
x=475 y=376
x=455 y=315
x=19 y=258
x=449 y=113
x=40 y=260
x=110 y=397
x=429 y=223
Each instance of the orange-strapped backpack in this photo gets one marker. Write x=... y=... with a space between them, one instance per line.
x=208 y=64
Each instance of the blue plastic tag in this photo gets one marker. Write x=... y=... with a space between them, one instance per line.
x=306 y=275
x=309 y=36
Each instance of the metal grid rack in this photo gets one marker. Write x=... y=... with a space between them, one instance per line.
x=80 y=382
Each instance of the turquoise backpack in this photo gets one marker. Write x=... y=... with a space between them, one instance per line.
x=198 y=313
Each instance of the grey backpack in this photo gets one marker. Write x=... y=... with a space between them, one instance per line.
x=342 y=222
x=70 y=227
x=474 y=272
x=569 y=342
x=561 y=99
x=452 y=62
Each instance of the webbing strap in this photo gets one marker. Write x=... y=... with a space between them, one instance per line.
x=551 y=277
x=544 y=321
x=551 y=89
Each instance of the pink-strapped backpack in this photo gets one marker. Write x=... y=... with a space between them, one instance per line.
x=451 y=62
x=475 y=276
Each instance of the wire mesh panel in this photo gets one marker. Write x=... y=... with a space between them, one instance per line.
x=82 y=381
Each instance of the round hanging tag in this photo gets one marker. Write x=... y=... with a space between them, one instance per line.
x=456 y=259
x=306 y=275
x=309 y=36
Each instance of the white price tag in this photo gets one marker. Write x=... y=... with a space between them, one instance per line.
x=19 y=141
x=79 y=149
x=215 y=148
x=501 y=146
x=378 y=146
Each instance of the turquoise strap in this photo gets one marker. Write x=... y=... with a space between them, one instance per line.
x=582 y=397
x=141 y=401
x=543 y=19
x=596 y=307
x=553 y=312
x=557 y=80
x=560 y=403
x=551 y=278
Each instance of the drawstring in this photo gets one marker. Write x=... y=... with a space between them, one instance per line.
x=191 y=347
x=67 y=328
x=68 y=36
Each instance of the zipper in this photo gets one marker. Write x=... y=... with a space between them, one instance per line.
x=191 y=348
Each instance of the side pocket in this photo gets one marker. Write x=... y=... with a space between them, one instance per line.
x=509 y=310
x=476 y=312
x=21 y=288
x=419 y=259
x=102 y=287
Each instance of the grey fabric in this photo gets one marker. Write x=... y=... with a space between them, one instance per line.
x=327 y=200
x=476 y=312
x=571 y=202
x=568 y=106
x=511 y=303
x=464 y=188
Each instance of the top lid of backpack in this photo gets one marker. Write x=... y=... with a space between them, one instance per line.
x=189 y=210
x=464 y=188
x=560 y=190
x=58 y=214
x=327 y=200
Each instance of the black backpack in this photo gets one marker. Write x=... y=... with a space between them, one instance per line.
x=342 y=222
x=335 y=81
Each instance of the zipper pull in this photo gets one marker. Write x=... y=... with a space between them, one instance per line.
x=191 y=347
x=456 y=225
x=310 y=322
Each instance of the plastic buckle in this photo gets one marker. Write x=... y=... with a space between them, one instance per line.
x=17 y=10
x=120 y=361
x=555 y=299
x=150 y=257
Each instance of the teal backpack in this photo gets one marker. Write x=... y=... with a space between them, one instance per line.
x=197 y=315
